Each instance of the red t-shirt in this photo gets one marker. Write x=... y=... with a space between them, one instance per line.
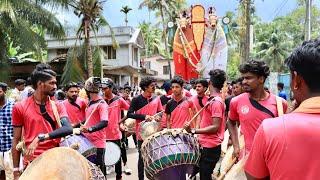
x=250 y=118
x=286 y=147
x=196 y=102
x=75 y=114
x=114 y=113
x=215 y=109
x=150 y=109
x=181 y=113
x=94 y=114
x=27 y=114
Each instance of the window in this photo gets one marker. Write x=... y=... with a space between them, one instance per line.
x=110 y=52
x=147 y=65
x=165 y=69
x=62 y=51
x=135 y=56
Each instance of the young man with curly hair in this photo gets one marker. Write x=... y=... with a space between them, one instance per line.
x=143 y=107
x=253 y=106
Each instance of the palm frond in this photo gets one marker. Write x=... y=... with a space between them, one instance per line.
x=97 y=57
x=105 y=23
x=73 y=70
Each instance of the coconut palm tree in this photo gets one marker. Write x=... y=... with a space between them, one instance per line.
x=274 y=50
x=126 y=10
x=17 y=21
x=90 y=13
x=83 y=60
x=152 y=37
x=166 y=8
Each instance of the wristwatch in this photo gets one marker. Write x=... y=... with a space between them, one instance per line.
x=41 y=137
x=193 y=131
x=90 y=129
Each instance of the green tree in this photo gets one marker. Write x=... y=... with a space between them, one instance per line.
x=17 y=21
x=152 y=38
x=274 y=50
x=126 y=10
x=233 y=64
x=166 y=8
x=232 y=33
x=83 y=59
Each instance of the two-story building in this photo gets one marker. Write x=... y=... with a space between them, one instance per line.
x=160 y=65
x=121 y=64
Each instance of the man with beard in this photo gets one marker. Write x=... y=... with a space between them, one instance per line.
x=43 y=121
x=75 y=106
x=252 y=107
x=178 y=108
x=199 y=100
x=113 y=131
x=143 y=107
x=6 y=134
x=288 y=147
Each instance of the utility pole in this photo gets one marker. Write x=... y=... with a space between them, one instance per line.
x=308 y=20
x=166 y=41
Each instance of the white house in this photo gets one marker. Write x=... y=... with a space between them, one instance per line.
x=160 y=65
x=122 y=64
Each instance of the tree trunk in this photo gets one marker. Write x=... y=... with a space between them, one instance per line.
x=4 y=65
x=126 y=20
x=88 y=48
x=165 y=40
x=245 y=42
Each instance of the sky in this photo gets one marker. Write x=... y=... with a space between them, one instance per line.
x=266 y=10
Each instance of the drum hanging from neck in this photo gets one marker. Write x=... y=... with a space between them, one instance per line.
x=62 y=163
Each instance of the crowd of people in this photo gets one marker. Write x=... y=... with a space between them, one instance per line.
x=277 y=145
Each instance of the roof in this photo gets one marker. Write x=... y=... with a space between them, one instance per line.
x=137 y=38
x=129 y=69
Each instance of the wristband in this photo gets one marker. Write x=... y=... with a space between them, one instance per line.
x=16 y=169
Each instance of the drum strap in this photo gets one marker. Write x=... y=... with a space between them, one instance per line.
x=75 y=104
x=95 y=108
x=179 y=103
x=55 y=112
x=279 y=106
x=47 y=117
x=259 y=107
x=112 y=100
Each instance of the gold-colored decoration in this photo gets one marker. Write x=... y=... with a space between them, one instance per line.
x=198 y=25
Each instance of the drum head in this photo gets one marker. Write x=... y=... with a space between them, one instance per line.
x=58 y=163
x=112 y=154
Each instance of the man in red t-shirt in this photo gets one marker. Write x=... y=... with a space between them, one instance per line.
x=75 y=106
x=96 y=120
x=43 y=121
x=179 y=107
x=116 y=104
x=252 y=107
x=288 y=147
x=199 y=100
x=143 y=107
x=212 y=124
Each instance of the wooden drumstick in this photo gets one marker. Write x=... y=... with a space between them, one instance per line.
x=227 y=169
x=159 y=113
x=123 y=119
x=197 y=114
